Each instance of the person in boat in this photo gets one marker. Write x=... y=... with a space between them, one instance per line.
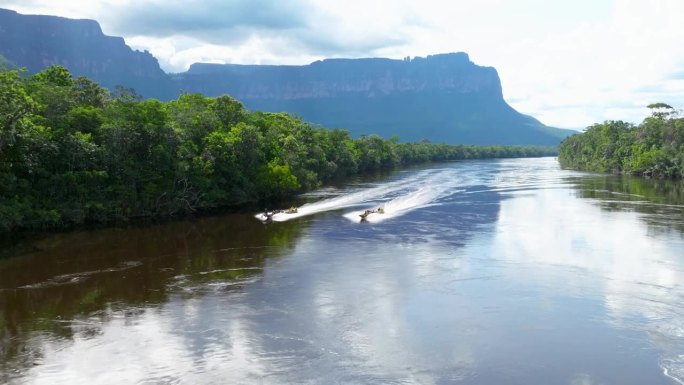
x=380 y=210
x=366 y=213
x=292 y=210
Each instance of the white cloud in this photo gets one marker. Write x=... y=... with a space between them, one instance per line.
x=599 y=65
x=77 y=9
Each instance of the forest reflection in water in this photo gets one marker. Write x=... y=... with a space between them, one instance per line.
x=87 y=278
x=659 y=201
x=516 y=272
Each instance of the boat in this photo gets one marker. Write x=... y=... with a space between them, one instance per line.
x=366 y=213
x=267 y=216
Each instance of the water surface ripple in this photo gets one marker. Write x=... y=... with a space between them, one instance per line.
x=481 y=272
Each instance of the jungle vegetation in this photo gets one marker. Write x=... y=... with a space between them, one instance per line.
x=654 y=148
x=73 y=153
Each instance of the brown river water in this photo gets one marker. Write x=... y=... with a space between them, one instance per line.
x=479 y=272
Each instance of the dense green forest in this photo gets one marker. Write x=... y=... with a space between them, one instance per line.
x=72 y=153
x=655 y=148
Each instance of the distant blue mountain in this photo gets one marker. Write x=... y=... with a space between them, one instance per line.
x=442 y=98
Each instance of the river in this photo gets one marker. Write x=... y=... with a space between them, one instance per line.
x=479 y=272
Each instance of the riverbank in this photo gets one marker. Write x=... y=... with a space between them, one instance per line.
x=655 y=148
x=72 y=155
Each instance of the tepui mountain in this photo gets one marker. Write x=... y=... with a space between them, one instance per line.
x=443 y=98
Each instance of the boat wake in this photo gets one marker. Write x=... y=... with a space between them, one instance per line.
x=436 y=187
x=400 y=197
x=399 y=206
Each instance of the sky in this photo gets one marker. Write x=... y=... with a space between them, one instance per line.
x=568 y=63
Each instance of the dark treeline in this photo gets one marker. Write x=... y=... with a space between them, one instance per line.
x=71 y=153
x=654 y=148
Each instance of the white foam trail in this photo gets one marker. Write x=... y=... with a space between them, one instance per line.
x=673 y=368
x=400 y=206
x=352 y=199
x=435 y=187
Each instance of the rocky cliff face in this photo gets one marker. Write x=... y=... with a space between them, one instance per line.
x=336 y=77
x=36 y=42
x=442 y=98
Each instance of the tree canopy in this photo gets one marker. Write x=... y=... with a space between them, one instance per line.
x=654 y=148
x=72 y=153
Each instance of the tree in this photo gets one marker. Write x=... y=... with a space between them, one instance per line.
x=661 y=110
x=16 y=107
x=87 y=93
x=54 y=75
x=228 y=111
x=192 y=116
x=654 y=148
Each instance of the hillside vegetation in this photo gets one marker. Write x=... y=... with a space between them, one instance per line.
x=655 y=148
x=71 y=153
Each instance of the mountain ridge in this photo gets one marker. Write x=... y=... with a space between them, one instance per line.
x=38 y=41
x=366 y=75
x=441 y=98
